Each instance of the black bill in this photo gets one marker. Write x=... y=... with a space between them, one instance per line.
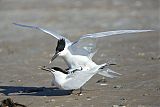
x=54 y=57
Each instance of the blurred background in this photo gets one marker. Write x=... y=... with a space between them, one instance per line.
x=74 y=17
x=22 y=50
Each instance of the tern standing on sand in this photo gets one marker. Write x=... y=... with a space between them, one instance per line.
x=71 y=81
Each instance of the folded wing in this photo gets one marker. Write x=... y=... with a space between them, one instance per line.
x=79 y=78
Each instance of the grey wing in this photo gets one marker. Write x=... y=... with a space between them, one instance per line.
x=54 y=34
x=83 y=46
x=78 y=79
x=112 y=33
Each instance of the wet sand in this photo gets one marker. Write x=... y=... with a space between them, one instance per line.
x=137 y=55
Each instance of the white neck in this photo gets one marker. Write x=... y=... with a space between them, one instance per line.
x=67 y=58
x=59 y=77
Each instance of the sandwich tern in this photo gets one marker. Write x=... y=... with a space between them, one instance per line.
x=78 y=54
x=71 y=81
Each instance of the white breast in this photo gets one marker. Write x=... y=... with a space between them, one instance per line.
x=74 y=61
x=58 y=79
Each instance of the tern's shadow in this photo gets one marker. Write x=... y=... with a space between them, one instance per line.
x=33 y=91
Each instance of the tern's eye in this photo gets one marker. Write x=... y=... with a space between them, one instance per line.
x=60 y=45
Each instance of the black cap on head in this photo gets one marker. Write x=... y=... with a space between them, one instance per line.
x=60 y=45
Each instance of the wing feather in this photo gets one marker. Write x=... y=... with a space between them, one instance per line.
x=79 y=78
x=112 y=33
x=85 y=47
x=54 y=34
x=80 y=46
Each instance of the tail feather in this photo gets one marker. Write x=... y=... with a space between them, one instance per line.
x=108 y=73
x=111 y=71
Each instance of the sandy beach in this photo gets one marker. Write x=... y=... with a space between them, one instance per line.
x=137 y=56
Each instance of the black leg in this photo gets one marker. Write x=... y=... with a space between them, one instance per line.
x=77 y=70
x=104 y=66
